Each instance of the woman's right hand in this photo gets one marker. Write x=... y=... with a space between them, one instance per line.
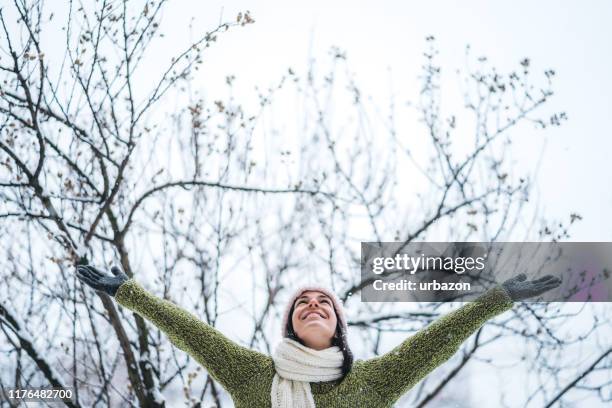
x=101 y=281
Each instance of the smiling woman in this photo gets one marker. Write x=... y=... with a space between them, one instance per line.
x=313 y=365
x=313 y=319
x=314 y=349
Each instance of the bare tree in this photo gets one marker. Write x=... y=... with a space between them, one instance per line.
x=218 y=206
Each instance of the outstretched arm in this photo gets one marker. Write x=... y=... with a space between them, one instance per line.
x=395 y=372
x=227 y=362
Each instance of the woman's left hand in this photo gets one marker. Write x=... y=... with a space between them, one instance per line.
x=519 y=288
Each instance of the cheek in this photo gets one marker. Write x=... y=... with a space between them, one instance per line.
x=296 y=322
x=333 y=321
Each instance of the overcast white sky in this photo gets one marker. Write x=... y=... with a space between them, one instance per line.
x=571 y=37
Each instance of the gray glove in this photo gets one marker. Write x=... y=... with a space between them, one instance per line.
x=101 y=281
x=519 y=288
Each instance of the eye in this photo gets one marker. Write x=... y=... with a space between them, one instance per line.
x=325 y=301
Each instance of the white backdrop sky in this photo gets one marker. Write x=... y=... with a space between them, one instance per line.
x=572 y=37
x=388 y=36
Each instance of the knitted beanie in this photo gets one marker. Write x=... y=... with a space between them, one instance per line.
x=336 y=303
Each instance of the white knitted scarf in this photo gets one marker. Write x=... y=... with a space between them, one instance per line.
x=296 y=367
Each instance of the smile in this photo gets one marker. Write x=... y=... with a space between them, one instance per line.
x=309 y=313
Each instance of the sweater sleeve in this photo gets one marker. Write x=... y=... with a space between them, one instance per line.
x=395 y=372
x=230 y=364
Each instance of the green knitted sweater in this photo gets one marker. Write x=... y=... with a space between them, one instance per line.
x=378 y=382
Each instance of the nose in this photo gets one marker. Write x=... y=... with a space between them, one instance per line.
x=313 y=302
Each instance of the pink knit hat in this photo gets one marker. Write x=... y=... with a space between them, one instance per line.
x=336 y=303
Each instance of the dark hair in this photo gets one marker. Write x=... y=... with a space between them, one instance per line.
x=338 y=340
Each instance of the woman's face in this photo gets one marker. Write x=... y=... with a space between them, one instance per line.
x=314 y=319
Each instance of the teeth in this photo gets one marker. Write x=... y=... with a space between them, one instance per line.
x=313 y=313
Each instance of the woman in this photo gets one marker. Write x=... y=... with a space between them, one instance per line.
x=313 y=365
